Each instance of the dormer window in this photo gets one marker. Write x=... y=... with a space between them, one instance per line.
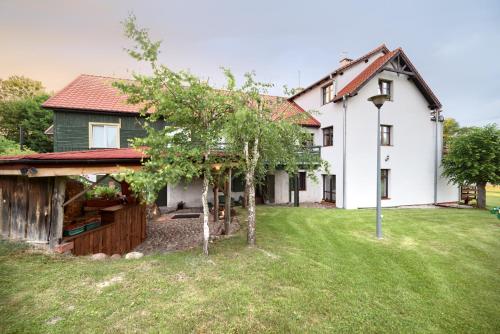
x=385 y=87
x=328 y=93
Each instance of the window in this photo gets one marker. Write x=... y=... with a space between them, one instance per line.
x=104 y=135
x=385 y=87
x=302 y=181
x=384 y=180
x=329 y=188
x=385 y=135
x=328 y=93
x=328 y=136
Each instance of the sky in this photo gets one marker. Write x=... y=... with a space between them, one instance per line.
x=455 y=45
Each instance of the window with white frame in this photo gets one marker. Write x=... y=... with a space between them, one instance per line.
x=327 y=93
x=385 y=135
x=104 y=135
x=385 y=87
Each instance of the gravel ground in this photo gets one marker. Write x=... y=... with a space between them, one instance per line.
x=165 y=234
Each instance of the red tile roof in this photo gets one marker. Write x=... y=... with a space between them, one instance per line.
x=362 y=78
x=91 y=92
x=73 y=156
x=365 y=75
x=96 y=93
x=380 y=48
x=290 y=109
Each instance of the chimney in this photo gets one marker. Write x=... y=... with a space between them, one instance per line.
x=344 y=61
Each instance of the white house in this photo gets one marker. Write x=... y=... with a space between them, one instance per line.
x=342 y=121
x=348 y=134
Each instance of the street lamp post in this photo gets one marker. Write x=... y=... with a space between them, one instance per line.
x=378 y=101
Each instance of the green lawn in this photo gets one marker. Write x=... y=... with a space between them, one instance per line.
x=314 y=270
x=493 y=197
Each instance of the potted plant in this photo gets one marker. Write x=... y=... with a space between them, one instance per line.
x=102 y=196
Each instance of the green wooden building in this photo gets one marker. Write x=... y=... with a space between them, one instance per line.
x=77 y=130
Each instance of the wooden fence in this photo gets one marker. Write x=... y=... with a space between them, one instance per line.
x=26 y=207
x=125 y=230
x=31 y=210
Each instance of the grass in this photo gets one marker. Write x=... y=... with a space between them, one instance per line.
x=493 y=196
x=314 y=270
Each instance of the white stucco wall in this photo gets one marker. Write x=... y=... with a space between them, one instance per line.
x=330 y=114
x=410 y=158
x=191 y=194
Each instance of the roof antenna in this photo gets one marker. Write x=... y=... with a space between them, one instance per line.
x=298 y=71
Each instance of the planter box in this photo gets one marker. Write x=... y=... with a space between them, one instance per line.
x=92 y=225
x=102 y=203
x=73 y=229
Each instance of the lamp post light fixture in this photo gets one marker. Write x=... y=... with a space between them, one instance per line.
x=378 y=101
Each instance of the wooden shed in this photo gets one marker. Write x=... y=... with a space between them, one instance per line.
x=33 y=203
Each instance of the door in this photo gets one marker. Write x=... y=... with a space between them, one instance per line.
x=270 y=188
x=329 y=188
x=162 y=199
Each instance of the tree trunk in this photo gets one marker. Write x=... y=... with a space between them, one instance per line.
x=57 y=215
x=251 y=209
x=204 y=199
x=251 y=160
x=481 y=195
x=245 y=196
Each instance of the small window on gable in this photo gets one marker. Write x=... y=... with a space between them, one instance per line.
x=385 y=135
x=328 y=93
x=328 y=136
x=385 y=87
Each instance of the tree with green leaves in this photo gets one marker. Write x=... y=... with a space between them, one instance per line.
x=267 y=140
x=183 y=118
x=474 y=158
x=20 y=107
x=19 y=87
x=9 y=147
x=450 y=129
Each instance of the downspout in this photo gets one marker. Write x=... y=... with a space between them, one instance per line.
x=344 y=152
x=436 y=155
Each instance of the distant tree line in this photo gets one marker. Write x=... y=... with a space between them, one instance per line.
x=20 y=107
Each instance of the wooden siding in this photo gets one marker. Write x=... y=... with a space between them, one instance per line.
x=119 y=237
x=71 y=129
x=26 y=207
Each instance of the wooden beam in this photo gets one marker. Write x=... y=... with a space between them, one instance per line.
x=227 y=203
x=71 y=171
x=57 y=212
x=216 y=204
x=398 y=71
x=93 y=185
x=10 y=172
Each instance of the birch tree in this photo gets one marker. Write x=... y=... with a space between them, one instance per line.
x=266 y=140
x=183 y=118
